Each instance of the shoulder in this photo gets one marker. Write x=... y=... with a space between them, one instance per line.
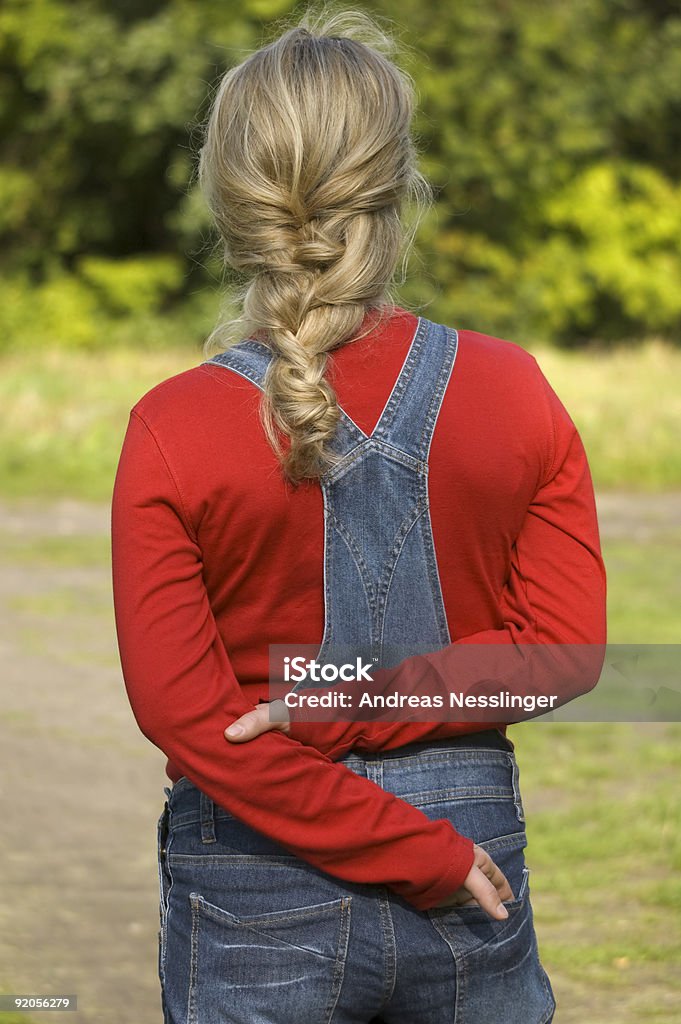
x=185 y=394
x=504 y=382
x=498 y=368
x=486 y=350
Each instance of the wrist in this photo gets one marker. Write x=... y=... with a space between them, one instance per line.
x=453 y=878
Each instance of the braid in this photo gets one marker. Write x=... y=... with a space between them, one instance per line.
x=306 y=162
x=290 y=296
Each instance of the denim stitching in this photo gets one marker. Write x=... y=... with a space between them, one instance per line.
x=432 y=571
x=450 y=362
x=515 y=780
x=407 y=525
x=162 y=844
x=326 y=635
x=259 y=923
x=406 y=373
x=383 y=448
x=433 y=410
x=192 y=1010
x=443 y=796
x=341 y=956
x=364 y=572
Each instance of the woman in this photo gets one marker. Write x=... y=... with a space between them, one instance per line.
x=346 y=473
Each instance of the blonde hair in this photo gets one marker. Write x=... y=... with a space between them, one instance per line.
x=306 y=161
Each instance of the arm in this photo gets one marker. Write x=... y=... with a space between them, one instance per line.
x=182 y=690
x=555 y=594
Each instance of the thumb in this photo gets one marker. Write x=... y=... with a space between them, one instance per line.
x=250 y=725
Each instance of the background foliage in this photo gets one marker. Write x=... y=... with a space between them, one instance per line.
x=550 y=131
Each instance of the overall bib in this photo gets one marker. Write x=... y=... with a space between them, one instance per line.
x=251 y=934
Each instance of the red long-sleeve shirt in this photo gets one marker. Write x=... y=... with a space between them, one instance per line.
x=214 y=559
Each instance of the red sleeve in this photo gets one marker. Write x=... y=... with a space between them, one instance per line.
x=555 y=594
x=183 y=693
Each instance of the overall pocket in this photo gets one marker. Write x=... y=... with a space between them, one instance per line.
x=242 y=964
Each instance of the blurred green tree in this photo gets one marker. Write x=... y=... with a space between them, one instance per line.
x=550 y=131
x=524 y=107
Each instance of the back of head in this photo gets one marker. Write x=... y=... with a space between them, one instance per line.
x=306 y=162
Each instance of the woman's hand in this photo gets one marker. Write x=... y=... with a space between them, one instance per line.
x=259 y=720
x=485 y=885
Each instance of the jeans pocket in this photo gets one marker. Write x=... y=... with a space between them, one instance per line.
x=499 y=978
x=242 y=965
x=455 y=917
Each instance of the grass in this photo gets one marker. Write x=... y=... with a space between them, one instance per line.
x=14 y=1016
x=65 y=413
x=644 y=589
x=65 y=416
x=604 y=823
x=626 y=405
x=35 y=549
x=604 y=831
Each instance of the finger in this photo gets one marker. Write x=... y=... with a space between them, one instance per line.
x=496 y=877
x=500 y=883
x=487 y=896
x=250 y=725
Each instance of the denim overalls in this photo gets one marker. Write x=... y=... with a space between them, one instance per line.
x=251 y=934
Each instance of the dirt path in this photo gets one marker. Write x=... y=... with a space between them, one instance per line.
x=81 y=788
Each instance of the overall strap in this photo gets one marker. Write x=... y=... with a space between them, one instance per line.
x=250 y=358
x=408 y=420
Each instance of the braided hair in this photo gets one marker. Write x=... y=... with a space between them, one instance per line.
x=306 y=160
